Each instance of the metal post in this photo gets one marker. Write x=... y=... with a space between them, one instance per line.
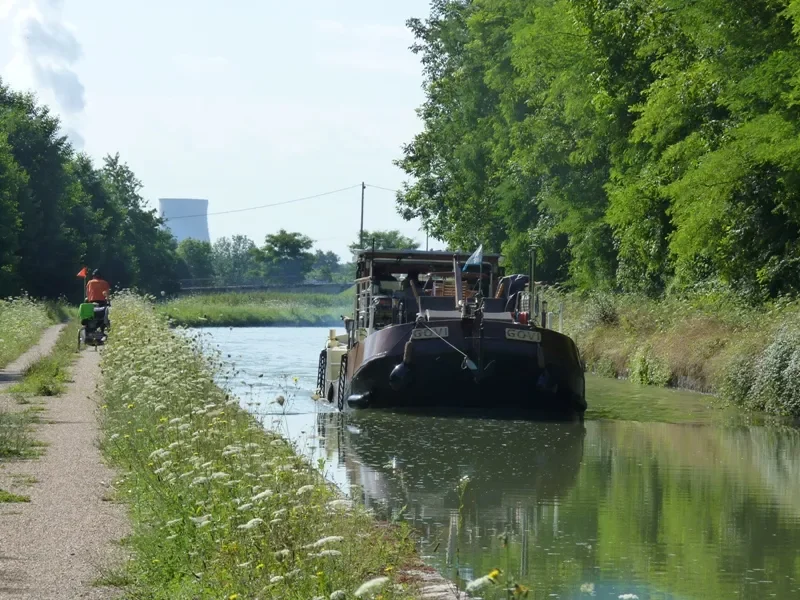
x=561 y=318
x=361 y=233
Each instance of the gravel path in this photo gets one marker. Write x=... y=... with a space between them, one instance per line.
x=56 y=546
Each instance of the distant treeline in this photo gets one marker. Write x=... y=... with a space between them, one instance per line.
x=286 y=258
x=641 y=146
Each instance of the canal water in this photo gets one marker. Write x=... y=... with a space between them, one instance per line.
x=657 y=495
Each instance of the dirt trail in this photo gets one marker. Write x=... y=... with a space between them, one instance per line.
x=56 y=546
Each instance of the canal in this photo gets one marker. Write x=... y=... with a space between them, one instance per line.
x=657 y=495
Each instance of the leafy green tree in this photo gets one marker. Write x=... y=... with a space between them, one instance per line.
x=196 y=256
x=326 y=266
x=233 y=261
x=385 y=239
x=285 y=257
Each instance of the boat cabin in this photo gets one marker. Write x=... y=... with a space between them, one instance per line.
x=394 y=286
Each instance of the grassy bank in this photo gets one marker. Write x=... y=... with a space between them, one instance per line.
x=220 y=508
x=48 y=375
x=22 y=322
x=712 y=343
x=258 y=309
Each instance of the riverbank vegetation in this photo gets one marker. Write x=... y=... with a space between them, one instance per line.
x=220 y=507
x=708 y=342
x=258 y=309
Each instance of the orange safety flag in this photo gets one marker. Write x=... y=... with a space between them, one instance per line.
x=83 y=273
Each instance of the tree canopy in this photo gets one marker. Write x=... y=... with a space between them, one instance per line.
x=637 y=145
x=58 y=212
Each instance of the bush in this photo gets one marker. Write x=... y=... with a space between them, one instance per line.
x=647 y=369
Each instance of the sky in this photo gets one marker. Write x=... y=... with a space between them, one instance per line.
x=245 y=103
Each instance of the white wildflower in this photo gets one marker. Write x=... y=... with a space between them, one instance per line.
x=276 y=443
x=174 y=445
x=329 y=553
x=219 y=475
x=251 y=524
x=172 y=537
x=200 y=521
x=281 y=554
x=628 y=597
x=305 y=489
x=114 y=436
x=338 y=595
x=372 y=586
x=173 y=522
x=183 y=427
x=244 y=565
x=280 y=513
x=159 y=471
x=245 y=507
x=480 y=583
x=205 y=465
x=340 y=504
x=199 y=480
x=332 y=539
x=274 y=521
x=262 y=495
x=276 y=579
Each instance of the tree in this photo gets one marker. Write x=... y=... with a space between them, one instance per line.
x=232 y=260
x=285 y=257
x=326 y=266
x=389 y=239
x=196 y=256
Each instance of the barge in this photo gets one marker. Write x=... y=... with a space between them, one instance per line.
x=437 y=330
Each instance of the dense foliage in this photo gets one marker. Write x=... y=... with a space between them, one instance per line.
x=59 y=212
x=638 y=144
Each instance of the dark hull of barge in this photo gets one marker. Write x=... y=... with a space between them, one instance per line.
x=508 y=378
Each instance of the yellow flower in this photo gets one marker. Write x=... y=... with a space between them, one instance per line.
x=140 y=431
x=259 y=566
x=233 y=596
x=520 y=591
x=494 y=573
x=131 y=405
x=389 y=569
x=162 y=420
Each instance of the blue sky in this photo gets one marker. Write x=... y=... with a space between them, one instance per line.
x=244 y=102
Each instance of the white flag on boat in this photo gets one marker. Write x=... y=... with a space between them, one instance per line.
x=475 y=259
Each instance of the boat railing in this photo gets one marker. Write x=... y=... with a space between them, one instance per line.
x=537 y=307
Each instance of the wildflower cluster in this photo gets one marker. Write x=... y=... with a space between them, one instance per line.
x=21 y=322
x=222 y=508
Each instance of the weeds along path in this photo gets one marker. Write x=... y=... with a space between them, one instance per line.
x=57 y=545
x=14 y=371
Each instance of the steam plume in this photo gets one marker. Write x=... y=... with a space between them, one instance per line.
x=48 y=50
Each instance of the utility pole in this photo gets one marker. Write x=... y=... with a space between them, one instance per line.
x=361 y=234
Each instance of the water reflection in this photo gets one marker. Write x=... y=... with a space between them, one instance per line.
x=603 y=509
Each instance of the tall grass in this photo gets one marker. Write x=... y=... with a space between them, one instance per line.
x=49 y=374
x=258 y=309
x=22 y=322
x=221 y=508
x=710 y=342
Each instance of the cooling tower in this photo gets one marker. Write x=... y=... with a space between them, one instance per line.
x=185 y=217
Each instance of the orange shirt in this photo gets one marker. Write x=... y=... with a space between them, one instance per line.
x=97 y=289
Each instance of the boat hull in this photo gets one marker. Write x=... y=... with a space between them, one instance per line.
x=392 y=370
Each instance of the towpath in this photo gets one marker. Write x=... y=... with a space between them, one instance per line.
x=14 y=371
x=57 y=546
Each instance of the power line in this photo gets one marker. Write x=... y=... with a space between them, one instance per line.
x=238 y=210
x=385 y=189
